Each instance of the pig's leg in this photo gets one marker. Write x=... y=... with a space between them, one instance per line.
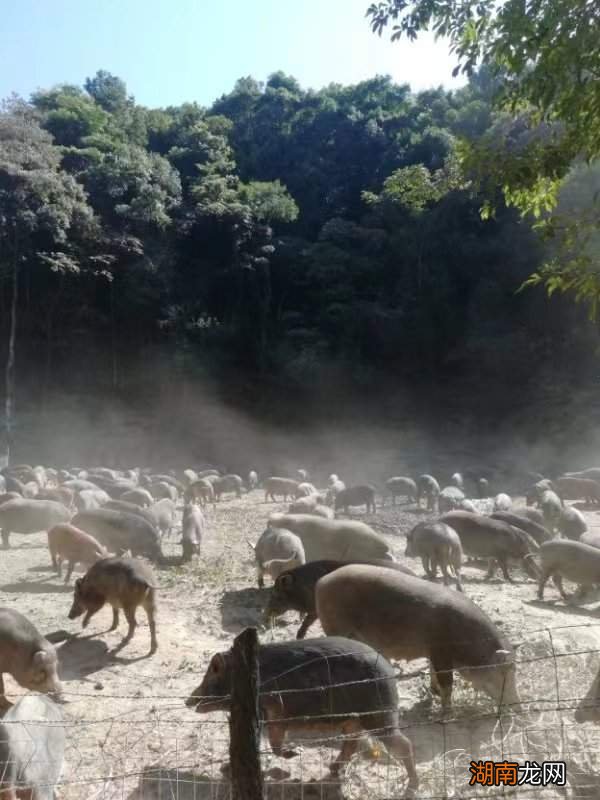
x=149 y=609
x=445 y=575
x=542 y=582
x=115 y=622
x=130 y=617
x=401 y=748
x=58 y=565
x=261 y=580
x=504 y=567
x=426 y=567
x=559 y=585
x=276 y=729
x=491 y=569
x=442 y=667
x=70 y=566
x=306 y=623
x=351 y=731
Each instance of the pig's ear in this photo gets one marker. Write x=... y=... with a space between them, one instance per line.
x=41 y=658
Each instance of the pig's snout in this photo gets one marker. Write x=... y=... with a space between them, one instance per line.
x=194 y=699
x=76 y=611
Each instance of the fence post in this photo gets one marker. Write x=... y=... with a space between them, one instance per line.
x=244 y=728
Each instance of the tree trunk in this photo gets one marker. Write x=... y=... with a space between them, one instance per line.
x=10 y=362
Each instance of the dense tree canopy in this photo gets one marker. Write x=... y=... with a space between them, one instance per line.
x=544 y=58
x=291 y=243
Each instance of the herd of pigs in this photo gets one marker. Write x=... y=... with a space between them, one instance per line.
x=323 y=564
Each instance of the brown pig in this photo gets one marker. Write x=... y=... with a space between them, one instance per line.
x=68 y=543
x=123 y=583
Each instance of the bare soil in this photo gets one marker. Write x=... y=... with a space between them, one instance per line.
x=130 y=735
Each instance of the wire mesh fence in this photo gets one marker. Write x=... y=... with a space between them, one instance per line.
x=150 y=746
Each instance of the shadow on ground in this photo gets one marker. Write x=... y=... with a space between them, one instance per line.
x=37 y=587
x=165 y=784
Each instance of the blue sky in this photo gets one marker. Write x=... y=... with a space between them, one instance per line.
x=169 y=51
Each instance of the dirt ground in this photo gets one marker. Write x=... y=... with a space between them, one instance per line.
x=130 y=735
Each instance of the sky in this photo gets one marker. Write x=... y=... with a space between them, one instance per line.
x=171 y=51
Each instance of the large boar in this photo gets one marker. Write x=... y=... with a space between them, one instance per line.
x=68 y=543
x=356 y=496
x=359 y=697
x=436 y=544
x=138 y=496
x=333 y=538
x=282 y=487
x=30 y=516
x=450 y=498
x=123 y=583
x=401 y=487
x=26 y=655
x=200 y=492
x=132 y=508
x=575 y=561
x=483 y=537
x=120 y=531
x=294 y=589
x=32 y=746
x=571 y=523
x=407 y=618
x=277 y=550
x=164 y=513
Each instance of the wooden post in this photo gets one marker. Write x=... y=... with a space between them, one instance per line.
x=244 y=726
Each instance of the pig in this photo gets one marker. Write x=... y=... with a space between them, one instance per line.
x=333 y=538
x=294 y=589
x=534 y=514
x=276 y=551
x=32 y=746
x=161 y=478
x=571 y=523
x=450 y=497
x=120 y=531
x=359 y=699
x=429 y=488
x=502 y=502
x=483 y=488
x=406 y=618
x=103 y=472
x=206 y=473
x=89 y=499
x=192 y=530
x=201 y=491
x=68 y=543
x=305 y=490
x=123 y=583
x=30 y=516
x=483 y=537
x=575 y=561
x=534 y=529
x=303 y=505
x=283 y=487
x=164 y=514
x=26 y=655
x=401 y=487
x=252 y=480
x=139 y=497
x=436 y=544
x=228 y=484
x=588 y=709
x=578 y=489
x=335 y=487
x=161 y=491
x=458 y=481
x=356 y=496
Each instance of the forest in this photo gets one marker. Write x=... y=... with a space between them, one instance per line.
x=291 y=254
